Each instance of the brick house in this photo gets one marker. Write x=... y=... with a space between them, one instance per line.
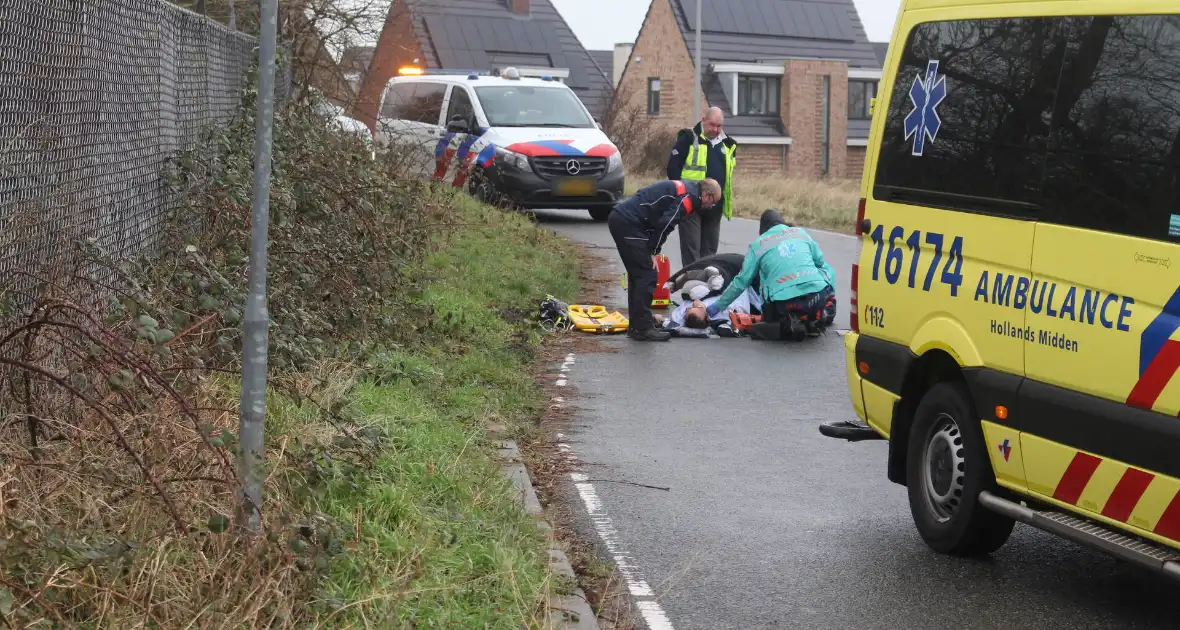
x=794 y=77
x=465 y=35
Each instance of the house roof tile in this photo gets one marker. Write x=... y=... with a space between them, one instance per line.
x=767 y=30
x=484 y=33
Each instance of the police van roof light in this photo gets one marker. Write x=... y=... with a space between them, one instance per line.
x=512 y=74
x=546 y=78
x=472 y=77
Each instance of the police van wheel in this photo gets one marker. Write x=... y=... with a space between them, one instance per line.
x=947 y=467
x=600 y=214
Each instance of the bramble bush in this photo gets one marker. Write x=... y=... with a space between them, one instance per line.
x=118 y=503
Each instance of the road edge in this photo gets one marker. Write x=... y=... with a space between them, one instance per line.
x=570 y=611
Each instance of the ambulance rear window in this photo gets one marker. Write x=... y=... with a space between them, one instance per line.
x=1067 y=120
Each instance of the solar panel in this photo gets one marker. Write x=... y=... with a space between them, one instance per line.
x=459 y=41
x=831 y=20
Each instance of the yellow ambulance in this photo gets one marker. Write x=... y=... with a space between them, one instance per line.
x=1017 y=299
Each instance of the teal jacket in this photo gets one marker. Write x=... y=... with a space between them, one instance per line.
x=789 y=264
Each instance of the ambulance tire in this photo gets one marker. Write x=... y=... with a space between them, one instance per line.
x=601 y=214
x=947 y=467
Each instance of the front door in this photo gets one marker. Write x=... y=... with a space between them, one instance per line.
x=1100 y=406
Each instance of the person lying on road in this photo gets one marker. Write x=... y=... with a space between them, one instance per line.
x=692 y=319
x=797 y=284
x=640 y=225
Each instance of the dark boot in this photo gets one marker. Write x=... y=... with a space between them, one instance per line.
x=766 y=331
x=650 y=334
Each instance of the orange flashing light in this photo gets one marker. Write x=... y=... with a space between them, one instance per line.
x=1001 y=412
x=863 y=367
x=410 y=71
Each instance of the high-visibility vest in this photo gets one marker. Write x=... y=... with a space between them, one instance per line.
x=696 y=166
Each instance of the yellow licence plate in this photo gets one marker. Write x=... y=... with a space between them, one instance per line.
x=575 y=187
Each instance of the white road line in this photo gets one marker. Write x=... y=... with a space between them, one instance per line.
x=565 y=368
x=653 y=614
x=648 y=607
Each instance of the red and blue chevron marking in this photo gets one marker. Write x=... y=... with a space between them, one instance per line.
x=561 y=148
x=487 y=156
x=1159 y=356
x=443 y=154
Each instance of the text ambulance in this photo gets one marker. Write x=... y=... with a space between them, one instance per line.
x=1017 y=299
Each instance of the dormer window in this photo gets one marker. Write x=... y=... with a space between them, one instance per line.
x=758 y=95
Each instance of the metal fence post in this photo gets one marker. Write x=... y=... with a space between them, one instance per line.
x=256 y=321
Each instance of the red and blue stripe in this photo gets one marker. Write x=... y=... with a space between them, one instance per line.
x=561 y=148
x=1159 y=355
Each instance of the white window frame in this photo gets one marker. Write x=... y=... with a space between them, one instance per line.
x=767 y=82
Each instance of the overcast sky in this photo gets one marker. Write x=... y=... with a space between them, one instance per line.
x=600 y=24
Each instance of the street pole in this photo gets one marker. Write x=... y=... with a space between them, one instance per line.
x=696 y=94
x=255 y=325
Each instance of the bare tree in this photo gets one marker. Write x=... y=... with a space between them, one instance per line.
x=643 y=143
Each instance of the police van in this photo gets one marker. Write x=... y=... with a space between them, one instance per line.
x=1017 y=298
x=527 y=142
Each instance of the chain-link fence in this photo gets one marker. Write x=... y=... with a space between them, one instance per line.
x=95 y=97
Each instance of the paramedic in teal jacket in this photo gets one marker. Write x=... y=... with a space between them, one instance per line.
x=790 y=268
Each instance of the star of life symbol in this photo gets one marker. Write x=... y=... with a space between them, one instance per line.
x=1005 y=449
x=926 y=94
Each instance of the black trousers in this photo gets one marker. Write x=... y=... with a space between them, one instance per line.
x=817 y=307
x=631 y=240
x=700 y=235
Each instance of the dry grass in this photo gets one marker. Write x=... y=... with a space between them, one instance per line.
x=384 y=504
x=829 y=205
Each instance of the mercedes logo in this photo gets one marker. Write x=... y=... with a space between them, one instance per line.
x=573 y=167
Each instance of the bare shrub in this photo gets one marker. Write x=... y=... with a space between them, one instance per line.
x=645 y=146
x=119 y=401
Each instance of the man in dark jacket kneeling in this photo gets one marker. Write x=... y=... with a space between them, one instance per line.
x=640 y=225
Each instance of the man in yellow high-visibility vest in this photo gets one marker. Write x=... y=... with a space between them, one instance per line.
x=704 y=152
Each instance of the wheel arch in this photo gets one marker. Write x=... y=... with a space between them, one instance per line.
x=932 y=367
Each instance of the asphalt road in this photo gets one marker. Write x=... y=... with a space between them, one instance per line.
x=767 y=524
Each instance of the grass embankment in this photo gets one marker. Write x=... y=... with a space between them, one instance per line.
x=398 y=332
x=829 y=205
x=442 y=543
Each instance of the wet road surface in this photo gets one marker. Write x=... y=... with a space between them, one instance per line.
x=766 y=523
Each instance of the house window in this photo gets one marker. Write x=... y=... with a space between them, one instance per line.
x=758 y=96
x=860 y=99
x=653 y=97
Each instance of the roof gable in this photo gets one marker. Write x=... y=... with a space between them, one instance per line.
x=469 y=34
x=605 y=60
x=768 y=30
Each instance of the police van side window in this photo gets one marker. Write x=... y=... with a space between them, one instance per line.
x=1114 y=160
x=460 y=106
x=397 y=97
x=426 y=104
x=969 y=118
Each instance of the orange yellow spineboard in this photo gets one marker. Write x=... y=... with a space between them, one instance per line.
x=594 y=318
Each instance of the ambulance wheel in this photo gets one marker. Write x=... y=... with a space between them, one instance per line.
x=947 y=467
x=600 y=214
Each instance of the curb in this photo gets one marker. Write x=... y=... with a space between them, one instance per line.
x=566 y=612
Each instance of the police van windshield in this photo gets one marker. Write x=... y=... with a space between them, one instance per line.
x=530 y=106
